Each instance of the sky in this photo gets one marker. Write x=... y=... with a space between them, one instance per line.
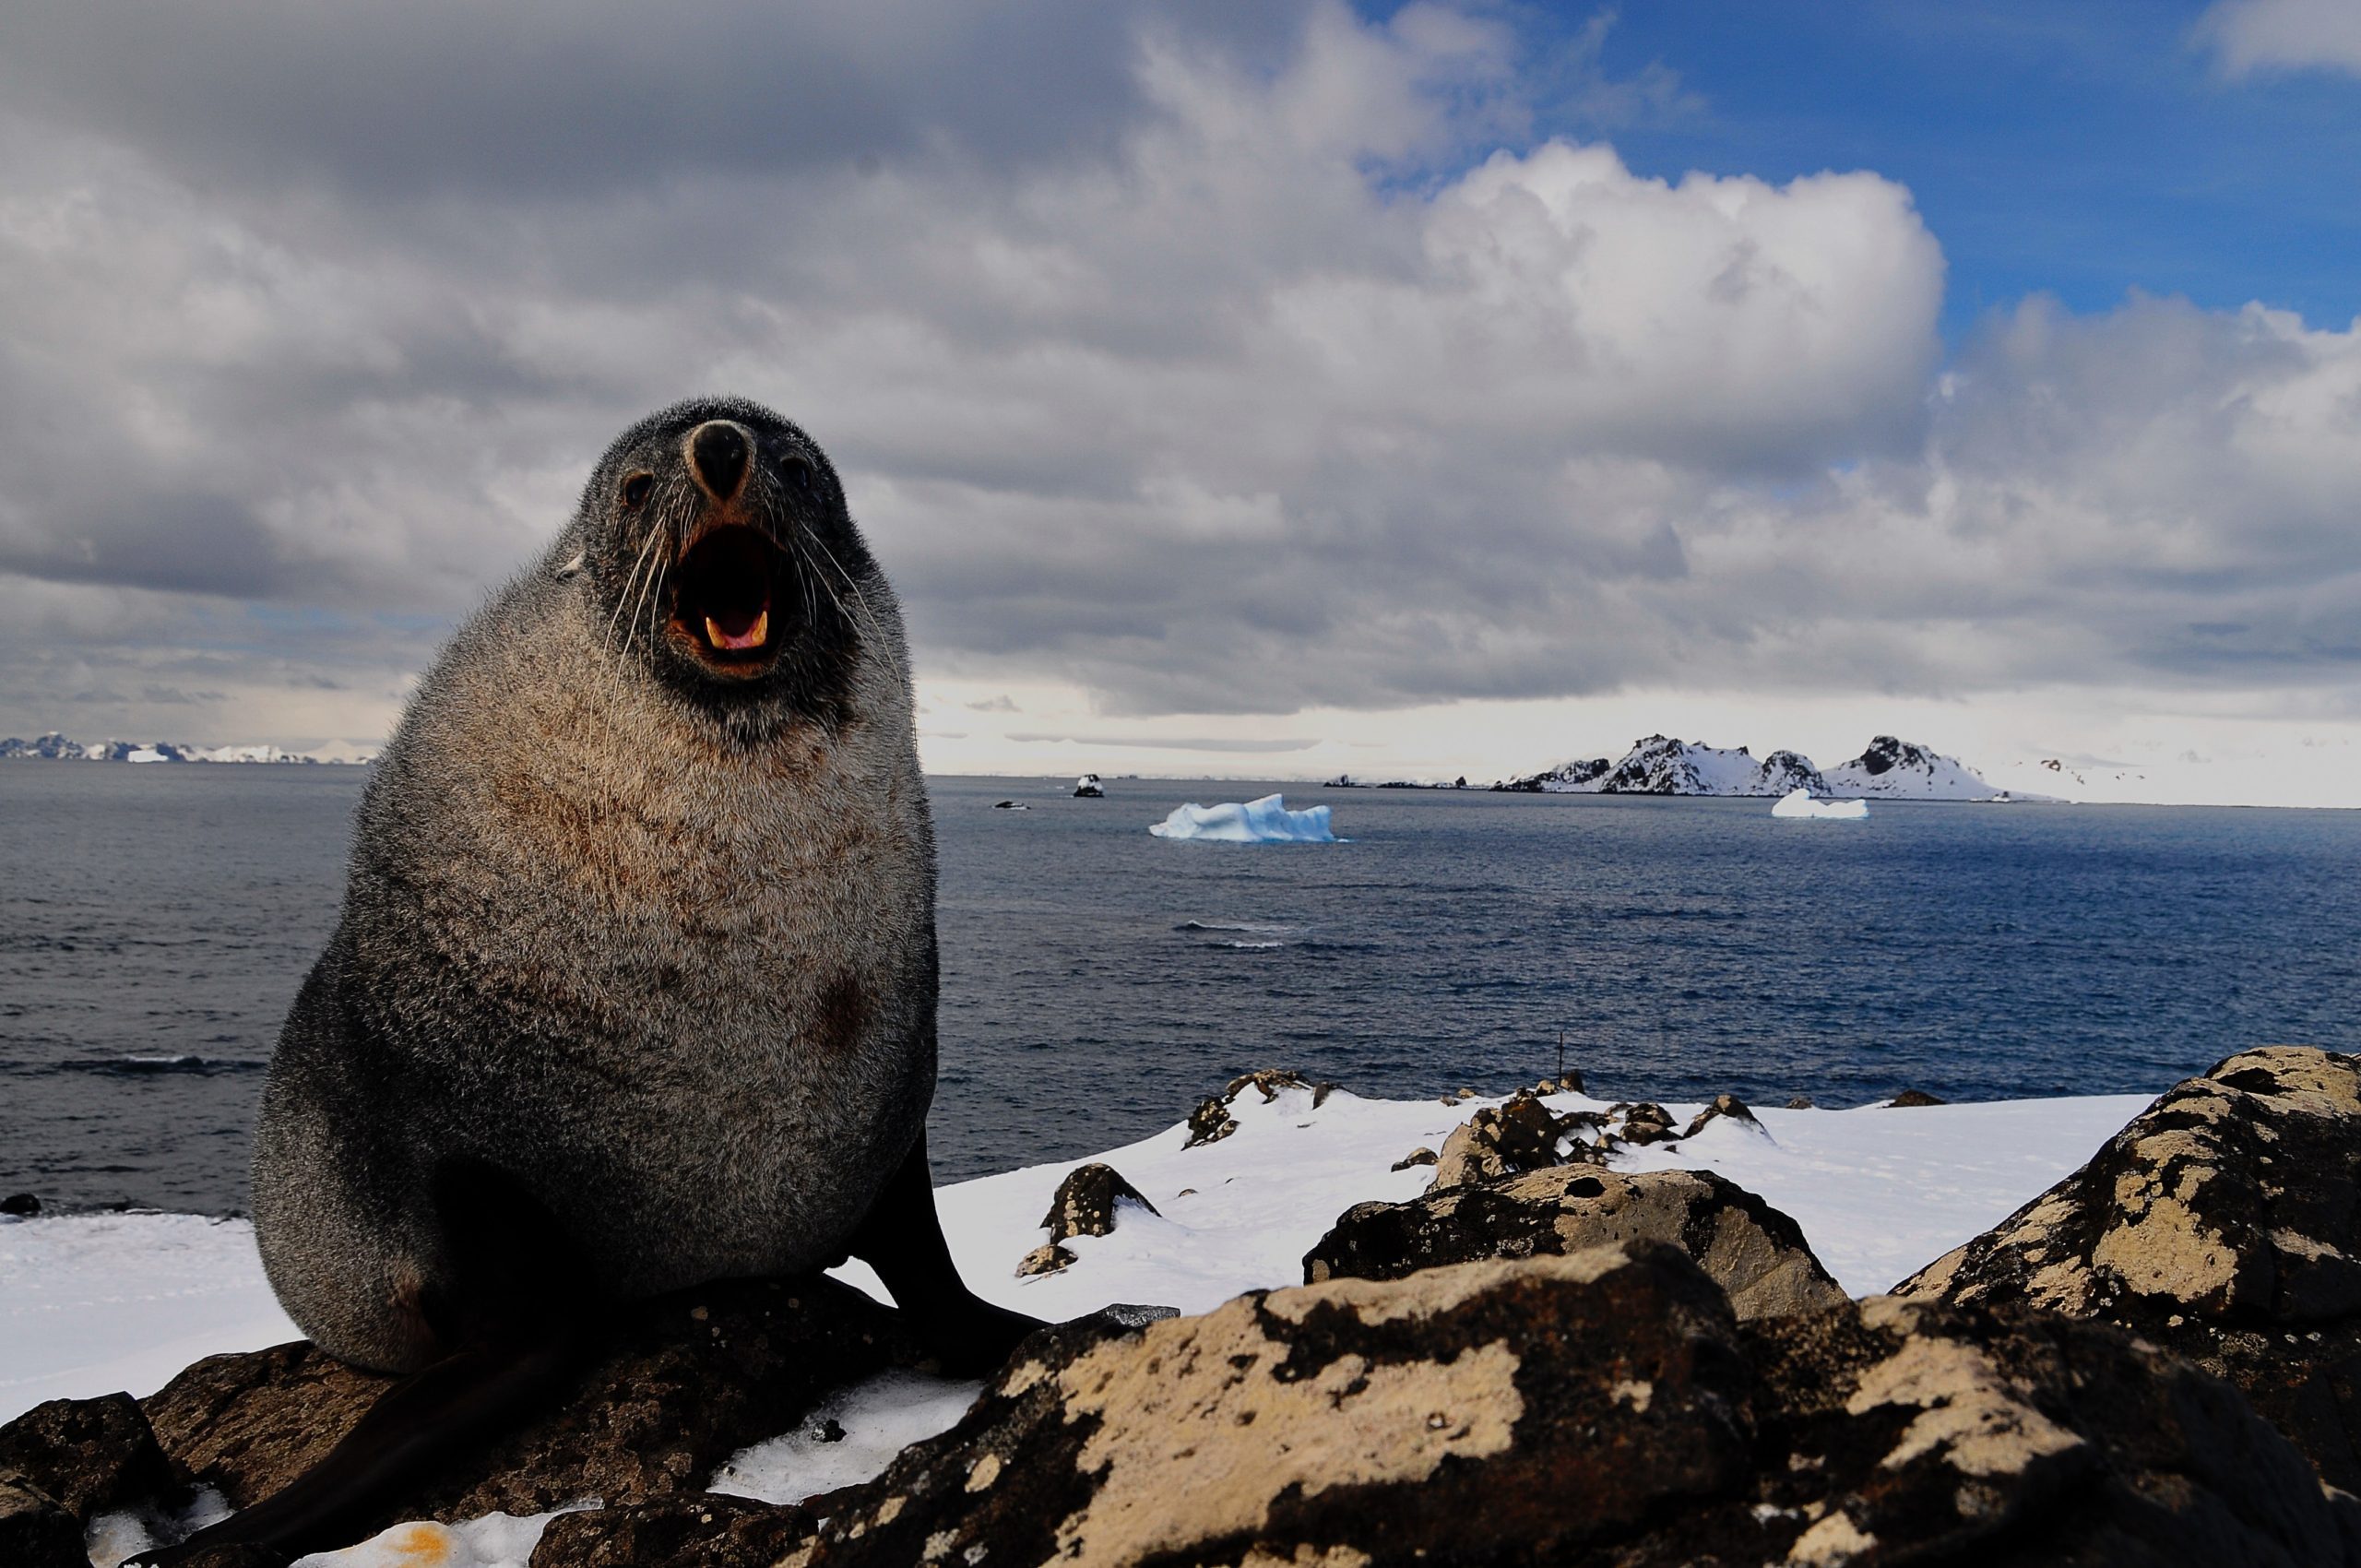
x=1265 y=389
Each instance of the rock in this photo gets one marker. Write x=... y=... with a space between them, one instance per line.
x=36 y=1531
x=87 y=1455
x=1801 y=1102
x=2224 y=1222
x=1212 y=1122
x=705 y=1529
x=1909 y=1097
x=1570 y=1082
x=1084 y=1202
x=1047 y=1258
x=1416 y=1156
x=1521 y=1133
x=1754 y=1252
x=1593 y=1408
x=690 y=1379
x=20 y=1205
x=1728 y=1105
x=1645 y=1122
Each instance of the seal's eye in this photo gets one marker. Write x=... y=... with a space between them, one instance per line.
x=796 y=469
x=635 y=489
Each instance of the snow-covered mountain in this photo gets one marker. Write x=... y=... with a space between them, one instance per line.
x=1663 y=764
x=1903 y=768
x=54 y=747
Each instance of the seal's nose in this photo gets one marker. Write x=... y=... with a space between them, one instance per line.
x=718 y=455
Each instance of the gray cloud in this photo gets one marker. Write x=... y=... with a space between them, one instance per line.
x=1222 y=360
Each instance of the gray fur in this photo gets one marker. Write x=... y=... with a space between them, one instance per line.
x=665 y=954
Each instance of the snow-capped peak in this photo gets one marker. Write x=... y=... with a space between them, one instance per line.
x=1893 y=768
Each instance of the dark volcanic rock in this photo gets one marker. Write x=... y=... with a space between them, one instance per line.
x=36 y=1531
x=1646 y=1123
x=1598 y=1408
x=1909 y=1097
x=2224 y=1222
x=1725 y=1105
x=1085 y=1202
x=87 y=1455
x=1047 y=1258
x=691 y=1378
x=1522 y=1133
x=1757 y=1254
x=1416 y=1156
x=20 y=1205
x=702 y=1529
x=1212 y=1122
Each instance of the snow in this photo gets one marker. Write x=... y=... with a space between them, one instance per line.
x=873 y=1421
x=93 y=1304
x=1905 y=769
x=1798 y=805
x=1266 y=821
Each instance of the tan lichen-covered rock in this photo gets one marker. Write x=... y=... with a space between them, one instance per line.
x=1598 y=1408
x=2225 y=1221
x=1757 y=1254
x=1724 y=1106
x=1294 y=1426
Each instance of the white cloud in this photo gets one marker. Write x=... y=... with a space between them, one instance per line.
x=2251 y=35
x=1297 y=378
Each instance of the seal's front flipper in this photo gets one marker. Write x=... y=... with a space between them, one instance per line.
x=902 y=1239
x=519 y=1310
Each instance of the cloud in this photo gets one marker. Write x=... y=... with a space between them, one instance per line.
x=1215 y=359
x=2255 y=35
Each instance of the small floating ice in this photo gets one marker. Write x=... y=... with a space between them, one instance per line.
x=1799 y=804
x=1266 y=821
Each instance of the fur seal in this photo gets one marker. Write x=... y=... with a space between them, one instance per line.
x=635 y=982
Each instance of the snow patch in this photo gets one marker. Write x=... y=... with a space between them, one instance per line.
x=848 y=1440
x=1266 y=821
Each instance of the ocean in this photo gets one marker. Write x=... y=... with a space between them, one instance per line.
x=155 y=922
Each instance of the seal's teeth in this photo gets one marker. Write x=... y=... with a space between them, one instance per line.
x=753 y=636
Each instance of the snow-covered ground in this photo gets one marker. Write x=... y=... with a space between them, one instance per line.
x=91 y=1304
x=1266 y=821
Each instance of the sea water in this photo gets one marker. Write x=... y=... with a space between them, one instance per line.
x=1097 y=981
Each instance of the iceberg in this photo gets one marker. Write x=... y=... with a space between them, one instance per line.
x=1799 y=804
x=1266 y=821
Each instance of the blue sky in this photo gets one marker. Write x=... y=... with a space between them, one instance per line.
x=2082 y=150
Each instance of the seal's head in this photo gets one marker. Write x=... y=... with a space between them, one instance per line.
x=718 y=551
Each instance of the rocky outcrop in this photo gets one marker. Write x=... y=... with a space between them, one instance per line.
x=700 y=1530
x=1754 y=1252
x=1724 y=1106
x=689 y=1380
x=86 y=1455
x=1521 y=1133
x=1599 y=1407
x=2224 y=1222
x=1212 y=1122
x=1085 y=1202
x=36 y=1531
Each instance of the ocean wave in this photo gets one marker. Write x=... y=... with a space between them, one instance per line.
x=1254 y=927
x=142 y=1065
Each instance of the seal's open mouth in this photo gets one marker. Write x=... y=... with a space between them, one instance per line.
x=723 y=603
